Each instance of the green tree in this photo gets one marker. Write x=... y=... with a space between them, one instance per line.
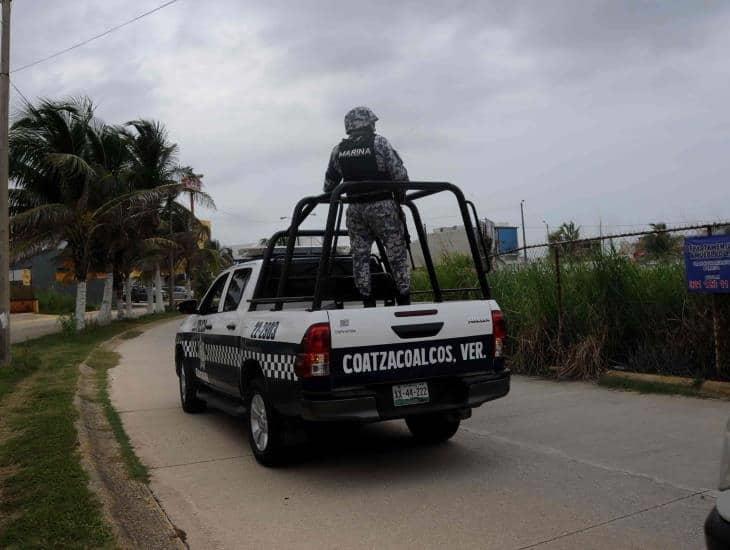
x=66 y=168
x=659 y=244
x=563 y=240
x=207 y=263
x=154 y=165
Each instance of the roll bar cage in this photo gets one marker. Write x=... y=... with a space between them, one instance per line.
x=409 y=192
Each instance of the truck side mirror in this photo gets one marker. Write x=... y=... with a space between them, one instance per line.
x=188 y=307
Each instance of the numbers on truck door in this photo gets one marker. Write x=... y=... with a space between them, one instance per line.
x=264 y=330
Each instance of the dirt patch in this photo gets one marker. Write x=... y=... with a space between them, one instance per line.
x=129 y=506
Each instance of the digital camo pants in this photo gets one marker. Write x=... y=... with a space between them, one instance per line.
x=368 y=221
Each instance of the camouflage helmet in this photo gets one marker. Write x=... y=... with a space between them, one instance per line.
x=359 y=117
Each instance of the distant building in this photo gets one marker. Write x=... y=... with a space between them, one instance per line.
x=449 y=240
x=52 y=271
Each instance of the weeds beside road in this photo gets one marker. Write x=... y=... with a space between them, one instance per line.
x=44 y=496
x=615 y=312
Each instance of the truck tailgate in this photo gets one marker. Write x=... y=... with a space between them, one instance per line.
x=393 y=344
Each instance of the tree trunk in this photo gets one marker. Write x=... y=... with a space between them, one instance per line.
x=159 y=306
x=128 y=298
x=171 y=283
x=150 y=298
x=105 y=311
x=188 y=290
x=121 y=302
x=80 y=305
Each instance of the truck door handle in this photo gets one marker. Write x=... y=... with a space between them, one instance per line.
x=208 y=326
x=231 y=326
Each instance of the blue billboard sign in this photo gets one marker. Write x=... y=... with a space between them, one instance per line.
x=506 y=239
x=707 y=261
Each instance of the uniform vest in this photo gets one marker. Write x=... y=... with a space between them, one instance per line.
x=356 y=157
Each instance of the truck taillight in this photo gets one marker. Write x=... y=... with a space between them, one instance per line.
x=499 y=331
x=314 y=357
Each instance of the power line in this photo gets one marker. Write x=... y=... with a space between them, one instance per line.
x=93 y=38
x=21 y=93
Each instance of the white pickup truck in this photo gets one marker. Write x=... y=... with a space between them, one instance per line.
x=285 y=340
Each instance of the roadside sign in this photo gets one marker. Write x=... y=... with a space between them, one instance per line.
x=707 y=262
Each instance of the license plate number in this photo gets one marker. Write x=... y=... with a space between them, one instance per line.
x=409 y=394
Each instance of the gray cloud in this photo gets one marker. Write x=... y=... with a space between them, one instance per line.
x=612 y=110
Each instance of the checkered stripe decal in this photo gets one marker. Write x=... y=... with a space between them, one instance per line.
x=274 y=365
x=189 y=347
x=279 y=366
x=223 y=355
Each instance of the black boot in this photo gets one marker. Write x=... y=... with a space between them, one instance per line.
x=368 y=301
x=403 y=299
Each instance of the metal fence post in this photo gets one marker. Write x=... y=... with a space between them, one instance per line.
x=558 y=292
x=716 y=328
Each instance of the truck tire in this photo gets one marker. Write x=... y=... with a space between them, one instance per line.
x=265 y=426
x=433 y=428
x=189 y=399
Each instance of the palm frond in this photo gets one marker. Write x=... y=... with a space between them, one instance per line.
x=71 y=165
x=41 y=219
x=25 y=250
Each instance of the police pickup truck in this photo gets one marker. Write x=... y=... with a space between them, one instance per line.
x=284 y=339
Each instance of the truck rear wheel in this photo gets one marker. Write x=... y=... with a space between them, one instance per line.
x=265 y=429
x=433 y=428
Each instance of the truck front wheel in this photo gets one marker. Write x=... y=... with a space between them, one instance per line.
x=189 y=391
x=264 y=425
x=433 y=428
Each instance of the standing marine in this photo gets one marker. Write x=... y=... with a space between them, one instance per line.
x=366 y=156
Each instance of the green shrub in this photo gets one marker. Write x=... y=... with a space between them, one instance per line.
x=615 y=312
x=53 y=302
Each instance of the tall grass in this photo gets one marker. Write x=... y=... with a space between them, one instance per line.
x=615 y=312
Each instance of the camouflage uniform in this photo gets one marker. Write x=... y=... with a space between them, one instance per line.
x=364 y=155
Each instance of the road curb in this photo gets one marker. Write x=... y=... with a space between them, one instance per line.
x=134 y=513
x=703 y=388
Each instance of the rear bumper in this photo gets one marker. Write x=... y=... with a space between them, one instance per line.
x=371 y=405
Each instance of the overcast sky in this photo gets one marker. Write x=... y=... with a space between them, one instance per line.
x=612 y=111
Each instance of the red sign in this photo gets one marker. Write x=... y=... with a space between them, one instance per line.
x=192 y=183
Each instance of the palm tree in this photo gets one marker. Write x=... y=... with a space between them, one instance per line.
x=659 y=244
x=154 y=164
x=110 y=159
x=68 y=187
x=208 y=262
x=564 y=239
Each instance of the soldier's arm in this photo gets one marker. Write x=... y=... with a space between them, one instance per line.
x=393 y=164
x=333 y=176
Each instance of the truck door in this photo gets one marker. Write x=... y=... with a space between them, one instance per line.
x=225 y=336
x=207 y=311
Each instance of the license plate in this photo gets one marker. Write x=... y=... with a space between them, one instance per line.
x=409 y=394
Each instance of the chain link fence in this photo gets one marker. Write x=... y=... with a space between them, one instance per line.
x=578 y=306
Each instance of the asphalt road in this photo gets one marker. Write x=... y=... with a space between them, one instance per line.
x=552 y=465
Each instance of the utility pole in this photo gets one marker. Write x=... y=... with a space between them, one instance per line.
x=4 y=168
x=171 y=280
x=524 y=239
